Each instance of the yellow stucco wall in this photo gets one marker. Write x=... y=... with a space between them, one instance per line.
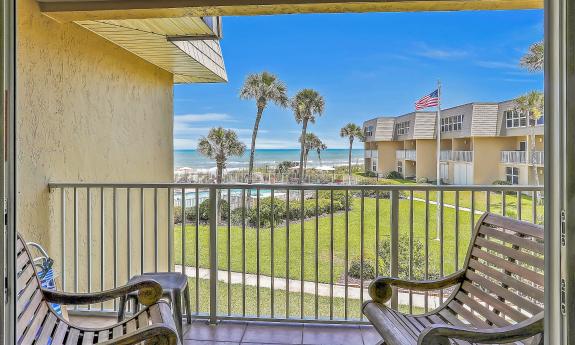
x=386 y=155
x=426 y=159
x=486 y=158
x=87 y=111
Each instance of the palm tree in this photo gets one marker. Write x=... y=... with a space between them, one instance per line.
x=311 y=143
x=263 y=88
x=533 y=60
x=219 y=145
x=320 y=147
x=306 y=104
x=532 y=104
x=351 y=131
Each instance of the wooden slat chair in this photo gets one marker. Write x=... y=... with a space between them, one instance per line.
x=497 y=297
x=37 y=323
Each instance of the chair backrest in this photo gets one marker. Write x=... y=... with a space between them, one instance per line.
x=31 y=306
x=504 y=279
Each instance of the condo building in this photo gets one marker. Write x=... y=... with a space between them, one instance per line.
x=481 y=143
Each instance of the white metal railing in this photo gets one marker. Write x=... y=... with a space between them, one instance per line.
x=513 y=157
x=462 y=156
x=370 y=153
x=244 y=258
x=538 y=157
x=445 y=155
x=405 y=155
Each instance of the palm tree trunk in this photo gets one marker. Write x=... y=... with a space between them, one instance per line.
x=302 y=151
x=319 y=157
x=253 y=147
x=349 y=160
x=219 y=174
x=532 y=148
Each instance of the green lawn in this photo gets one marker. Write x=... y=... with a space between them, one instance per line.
x=236 y=305
x=263 y=242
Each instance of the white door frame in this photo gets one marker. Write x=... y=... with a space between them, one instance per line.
x=7 y=171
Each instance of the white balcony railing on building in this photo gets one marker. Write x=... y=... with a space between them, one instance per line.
x=537 y=157
x=513 y=157
x=462 y=156
x=249 y=259
x=405 y=155
x=445 y=155
x=370 y=153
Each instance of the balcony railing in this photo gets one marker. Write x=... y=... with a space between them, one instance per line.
x=462 y=156
x=538 y=157
x=405 y=155
x=513 y=157
x=370 y=153
x=445 y=155
x=274 y=252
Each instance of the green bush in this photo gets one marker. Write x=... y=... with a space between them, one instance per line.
x=354 y=270
x=205 y=210
x=280 y=210
x=501 y=183
x=419 y=260
x=394 y=175
x=423 y=180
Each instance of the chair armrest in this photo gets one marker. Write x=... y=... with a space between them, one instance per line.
x=149 y=292
x=440 y=334
x=162 y=334
x=380 y=289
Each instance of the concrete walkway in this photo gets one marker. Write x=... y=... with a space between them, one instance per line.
x=448 y=206
x=353 y=292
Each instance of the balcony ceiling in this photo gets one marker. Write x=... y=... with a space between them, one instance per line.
x=72 y=10
x=174 y=44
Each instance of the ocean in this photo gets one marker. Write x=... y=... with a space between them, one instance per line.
x=267 y=157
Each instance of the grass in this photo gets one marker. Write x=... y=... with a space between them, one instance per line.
x=251 y=307
x=258 y=251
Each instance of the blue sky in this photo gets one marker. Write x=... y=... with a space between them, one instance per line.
x=365 y=65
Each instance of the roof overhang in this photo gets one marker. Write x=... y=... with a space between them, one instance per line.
x=73 y=10
x=185 y=46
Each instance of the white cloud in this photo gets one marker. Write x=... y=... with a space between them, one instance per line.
x=440 y=53
x=208 y=117
x=497 y=64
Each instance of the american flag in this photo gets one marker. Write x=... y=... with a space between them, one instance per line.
x=427 y=101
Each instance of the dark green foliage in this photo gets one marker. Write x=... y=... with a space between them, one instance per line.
x=394 y=175
x=368 y=269
x=419 y=260
x=204 y=211
x=280 y=209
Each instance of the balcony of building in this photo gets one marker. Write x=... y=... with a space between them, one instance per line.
x=405 y=155
x=516 y=157
x=462 y=156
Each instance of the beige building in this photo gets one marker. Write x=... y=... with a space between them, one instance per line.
x=480 y=143
x=95 y=104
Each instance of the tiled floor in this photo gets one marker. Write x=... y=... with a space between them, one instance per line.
x=260 y=333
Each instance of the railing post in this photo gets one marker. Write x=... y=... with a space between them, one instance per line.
x=213 y=254
x=394 y=226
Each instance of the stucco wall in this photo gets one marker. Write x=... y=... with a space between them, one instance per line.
x=87 y=111
x=426 y=160
x=486 y=158
x=386 y=155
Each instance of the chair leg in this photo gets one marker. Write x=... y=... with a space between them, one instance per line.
x=187 y=304
x=122 y=308
x=177 y=305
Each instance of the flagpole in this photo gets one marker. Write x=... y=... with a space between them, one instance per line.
x=438 y=157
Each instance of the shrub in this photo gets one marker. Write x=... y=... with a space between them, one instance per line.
x=205 y=210
x=394 y=175
x=501 y=183
x=423 y=180
x=354 y=270
x=419 y=259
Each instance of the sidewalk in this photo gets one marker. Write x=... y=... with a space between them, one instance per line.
x=308 y=287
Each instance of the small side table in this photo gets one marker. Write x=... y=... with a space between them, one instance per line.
x=173 y=285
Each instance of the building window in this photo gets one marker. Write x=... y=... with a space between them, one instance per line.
x=452 y=123
x=402 y=128
x=512 y=175
x=368 y=131
x=374 y=165
x=400 y=167
x=515 y=119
